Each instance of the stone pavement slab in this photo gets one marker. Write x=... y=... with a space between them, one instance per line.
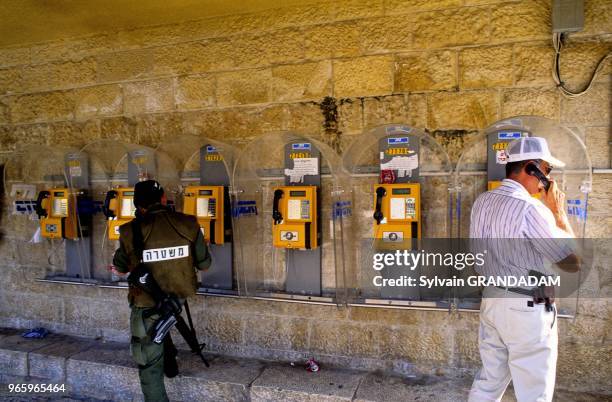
x=14 y=352
x=228 y=379
x=287 y=383
x=104 y=371
x=95 y=370
x=50 y=361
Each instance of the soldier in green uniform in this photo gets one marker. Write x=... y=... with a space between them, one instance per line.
x=173 y=247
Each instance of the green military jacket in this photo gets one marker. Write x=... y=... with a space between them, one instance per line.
x=173 y=246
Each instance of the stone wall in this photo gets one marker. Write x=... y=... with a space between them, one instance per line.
x=448 y=66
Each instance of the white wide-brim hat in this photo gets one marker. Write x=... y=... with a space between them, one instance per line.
x=531 y=148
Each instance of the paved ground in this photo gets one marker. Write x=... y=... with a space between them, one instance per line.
x=103 y=371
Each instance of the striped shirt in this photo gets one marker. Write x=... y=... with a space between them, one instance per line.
x=519 y=232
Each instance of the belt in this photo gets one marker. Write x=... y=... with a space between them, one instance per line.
x=521 y=291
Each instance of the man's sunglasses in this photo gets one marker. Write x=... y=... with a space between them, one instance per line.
x=546 y=170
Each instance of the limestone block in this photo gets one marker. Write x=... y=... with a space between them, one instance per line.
x=485 y=67
x=337 y=338
x=149 y=36
x=221 y=328
x=305 y=117
x=401 y=7
x=531 y=101
x=31 y=133
x=352 y=9
x=533 y=63
x=14 y=352
x=283 y=46
x=482 y=2
x=229 y=380
x=73 y=134
x=466 y=110
x=454 y=143
x=332 y=40
x=584 y=329
x=387 y=34
x=228 y=25
x=8 y=250
x=42 y=107
x=193 y=57
x=301 y=81
x=597 y=143
x=600 y=202
x=393 y=108
x=389 y=317
x=72 y=49
x=526 y=20
x=278 y=333
x=60 y=74
x=38 y=307
x=152 y=130
x=50 y=362
x=4 y=113
x=23 y=228
x=119 y=128
x=105 y=371
x=466 y=346
x=242 y=123
x=461 y=26
x=290 y=384
x=426 y=71
x=431 y=345
x=310 y=14
x=124 y=65
x=363 y=76
x=379 y=387
x=103 y=100
x=114 y=315
x=350 y=116
x=579 y=60
x=597 y=18
x=11 y=80
x=78 y=313
x=276 y=47
x=579 y=361
x=273 y=118
x=148 y=96
x=195 y=92
x=591 y=109
x=249 y=307
x=243 y=87
x=13 y=56
x=248 y=50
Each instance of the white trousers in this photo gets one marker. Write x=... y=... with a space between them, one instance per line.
x=517 y=342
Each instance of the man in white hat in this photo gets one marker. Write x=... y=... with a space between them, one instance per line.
x=518 y=329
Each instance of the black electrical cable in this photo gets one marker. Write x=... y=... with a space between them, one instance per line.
x=558 y=39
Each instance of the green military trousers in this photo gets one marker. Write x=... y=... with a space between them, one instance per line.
x=148 y=355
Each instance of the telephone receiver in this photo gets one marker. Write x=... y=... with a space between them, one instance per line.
x=109 y=213
x=533 y=170
x=40 y=211
x=378 y=215
x=276 y=215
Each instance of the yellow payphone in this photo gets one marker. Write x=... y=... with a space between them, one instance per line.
x=397 y=212
x=294 y=215
x=492 y=185
x=57 y=211
x=119 y=209
x=207 y=204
